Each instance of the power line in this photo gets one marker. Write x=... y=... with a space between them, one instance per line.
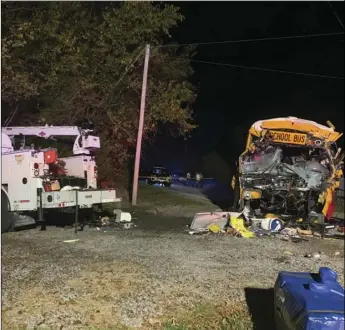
x=269 y=70
x=129 y=66
x=336 y=15
x=253 y=40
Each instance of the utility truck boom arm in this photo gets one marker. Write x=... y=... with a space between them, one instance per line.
x=45 y=131
x=84 y=142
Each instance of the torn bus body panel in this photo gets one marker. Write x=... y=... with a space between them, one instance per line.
x=290 y=166
x=204 y=219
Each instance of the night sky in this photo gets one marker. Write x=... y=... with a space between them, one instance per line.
x=231 y=99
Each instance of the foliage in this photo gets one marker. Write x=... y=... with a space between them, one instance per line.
x=66 y=61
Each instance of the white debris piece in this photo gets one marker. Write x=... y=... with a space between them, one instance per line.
x=122 y=216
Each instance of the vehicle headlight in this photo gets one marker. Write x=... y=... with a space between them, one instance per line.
x=251 y=194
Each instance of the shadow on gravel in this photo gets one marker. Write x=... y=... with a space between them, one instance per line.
x=142 y=220
x=64 y=219
x=260 y=304
x=159 y=222
x=67 y=219
x=219 y=195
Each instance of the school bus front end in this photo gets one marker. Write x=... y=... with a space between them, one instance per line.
x=290 y=166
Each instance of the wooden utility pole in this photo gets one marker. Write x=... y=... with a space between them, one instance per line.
x=140 y=128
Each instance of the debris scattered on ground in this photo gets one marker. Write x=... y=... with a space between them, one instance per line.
x=307 y=232
x=341 y=229
x=232 y=223
x=128 y=225
x=289 y=232
x=121 y=217
x=105 y=221
x=198 y=232
x=203 y=220
x=71 y=240
x=271 y=224
x=237 y=223
x=315 y=255
x=233 y=232
x=120 y=220
x=214 y=228
x=246 y=225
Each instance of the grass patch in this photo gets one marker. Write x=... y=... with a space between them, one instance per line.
x=159 y=195
x=210 y=316
x=159 y=200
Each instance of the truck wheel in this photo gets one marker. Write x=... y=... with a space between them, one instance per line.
x=7 y=219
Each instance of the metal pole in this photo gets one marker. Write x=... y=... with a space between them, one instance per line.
x=140 y=128
x=41 y=219
x=76 y=215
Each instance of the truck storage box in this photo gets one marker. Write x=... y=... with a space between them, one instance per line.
x=72 y=181
x=309 y=301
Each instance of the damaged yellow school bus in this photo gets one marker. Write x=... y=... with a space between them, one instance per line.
x=291 y=166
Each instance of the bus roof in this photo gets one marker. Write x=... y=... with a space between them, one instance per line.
x=295 y=124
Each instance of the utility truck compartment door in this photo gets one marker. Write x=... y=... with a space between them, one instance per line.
x=84 y=198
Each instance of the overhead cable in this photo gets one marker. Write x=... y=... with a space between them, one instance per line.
x=268 y=70
x=252 y=40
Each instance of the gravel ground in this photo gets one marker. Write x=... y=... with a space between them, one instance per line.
x=132 y=278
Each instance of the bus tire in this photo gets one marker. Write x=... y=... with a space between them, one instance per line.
x=7 y=218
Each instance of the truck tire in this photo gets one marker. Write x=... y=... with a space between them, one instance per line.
x=7 y=219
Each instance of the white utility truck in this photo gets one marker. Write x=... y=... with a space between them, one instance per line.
x=35 y=182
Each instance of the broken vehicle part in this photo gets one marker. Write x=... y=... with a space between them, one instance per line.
x=205 y=219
